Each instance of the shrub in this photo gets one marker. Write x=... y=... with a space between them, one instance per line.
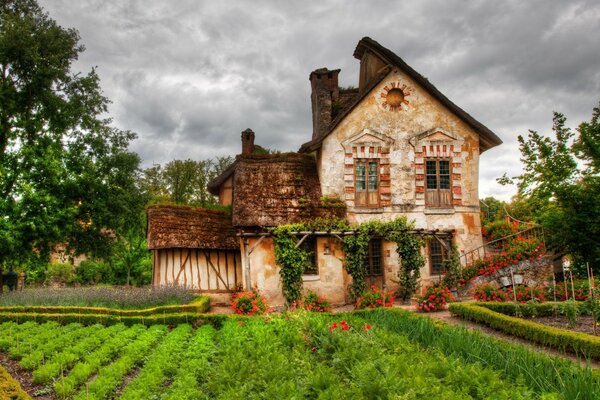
x=60 y=274
x=487 y=292
x=314 y=302
x=91 y=272
x=248 y=303
x=10 y=388
x=525 y=294
x=435 y=298
x=375 y=298
x=498 y=229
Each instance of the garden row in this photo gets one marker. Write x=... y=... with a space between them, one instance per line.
x=505 y=317
x=378 y=353
x=9 y=388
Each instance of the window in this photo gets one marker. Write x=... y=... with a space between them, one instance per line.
x=437 y=180
x=437 y=255
x=366 y=178
x=373 y=259
x=309 y=245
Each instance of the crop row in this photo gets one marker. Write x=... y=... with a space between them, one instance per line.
x=373 y=354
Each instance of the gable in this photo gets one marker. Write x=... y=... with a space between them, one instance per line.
x=377 y=64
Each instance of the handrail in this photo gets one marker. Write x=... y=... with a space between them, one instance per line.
x=480 y=252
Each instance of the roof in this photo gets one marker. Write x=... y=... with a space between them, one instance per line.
x=214 y=185
x=275 y=189
x=487 y=138
x=190 y=228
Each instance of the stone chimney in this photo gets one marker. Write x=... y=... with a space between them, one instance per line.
x=247 y=141
x=324 y=92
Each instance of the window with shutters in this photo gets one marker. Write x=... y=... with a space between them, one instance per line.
x=374 y=260
x=438 y=186
x=366 y=181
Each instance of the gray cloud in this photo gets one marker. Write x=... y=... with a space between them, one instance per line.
x=189 y=76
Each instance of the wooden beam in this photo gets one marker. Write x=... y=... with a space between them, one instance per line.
x=209 y=262
x=301 y=240
x=182 y=266
x=256 y=244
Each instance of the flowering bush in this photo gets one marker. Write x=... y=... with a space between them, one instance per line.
x=520 y=249
x=248 y=303
x=524 y=293
x=375 y=298
x=487 y=292
x=581 y=287
x=314 y=302
x=499 y=229
x=434 y=298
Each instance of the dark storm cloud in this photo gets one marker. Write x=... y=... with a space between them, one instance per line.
x=189 y=76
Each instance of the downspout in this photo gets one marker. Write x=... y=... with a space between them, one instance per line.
x=247 y=269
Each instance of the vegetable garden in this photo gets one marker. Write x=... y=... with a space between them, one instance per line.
x=381 y=353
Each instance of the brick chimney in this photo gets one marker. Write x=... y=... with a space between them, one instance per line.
x=324 y=92
x=247 y=141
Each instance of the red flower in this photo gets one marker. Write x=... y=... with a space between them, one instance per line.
x=333 y=326
x=367 y=327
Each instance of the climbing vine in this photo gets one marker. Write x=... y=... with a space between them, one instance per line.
x=292 y=259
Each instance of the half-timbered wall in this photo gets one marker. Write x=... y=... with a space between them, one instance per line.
x=204 y=270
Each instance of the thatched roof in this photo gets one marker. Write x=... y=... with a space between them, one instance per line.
x=190 y=228
x=275 y=189
x=487 y=138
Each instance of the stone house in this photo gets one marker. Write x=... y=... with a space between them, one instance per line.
x=393 y=146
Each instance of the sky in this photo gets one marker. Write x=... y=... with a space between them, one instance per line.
x=189 y=76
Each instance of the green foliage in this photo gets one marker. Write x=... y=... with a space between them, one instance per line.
x=66 y=175
x=183 y=181
x=571 y=310
x=313 y=302
x=356 y=246
x=453 y=269
x=131 y=259
x=248 y=303
x=374 y=298
x=367 y=354
x=564 y=340
x=292 y=261
x=93 y=272
x=561 y=185
x=9 y=388
x=60 y=274
x=435 y=298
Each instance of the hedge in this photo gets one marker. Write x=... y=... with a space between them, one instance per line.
x=195 y=319
x=526 y=310
x=560 y=339
x=9 y=388
x=198 y=306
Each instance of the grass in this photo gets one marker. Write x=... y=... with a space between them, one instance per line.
x=99 y=296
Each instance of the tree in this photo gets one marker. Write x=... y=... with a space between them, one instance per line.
x=561 y=185
x=183 y=181
x=66 y=175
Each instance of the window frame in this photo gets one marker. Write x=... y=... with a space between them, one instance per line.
x=438 y=191
x=367 y=191
x=371 y=272
x=310 y=246
x=443 y=253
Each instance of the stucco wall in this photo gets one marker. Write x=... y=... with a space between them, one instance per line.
x=395 y=134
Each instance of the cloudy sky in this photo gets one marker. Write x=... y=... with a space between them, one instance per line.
x=189 y=76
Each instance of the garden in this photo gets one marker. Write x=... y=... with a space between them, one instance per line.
x=371 y=353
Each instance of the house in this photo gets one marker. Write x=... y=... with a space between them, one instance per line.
x=394 y=146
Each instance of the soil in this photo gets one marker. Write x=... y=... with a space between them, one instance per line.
x=25 y=379
x=585 y=323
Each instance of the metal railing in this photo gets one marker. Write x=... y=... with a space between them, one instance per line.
x=498 y=245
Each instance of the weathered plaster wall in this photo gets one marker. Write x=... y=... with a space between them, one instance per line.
x=372 y=124
x=331 y=282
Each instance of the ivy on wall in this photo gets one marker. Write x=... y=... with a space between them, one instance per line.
x=292 y=260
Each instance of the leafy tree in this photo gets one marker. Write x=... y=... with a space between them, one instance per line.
x=131 y=259
x=561 y=186
x=183 y=181
x=66 y=175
